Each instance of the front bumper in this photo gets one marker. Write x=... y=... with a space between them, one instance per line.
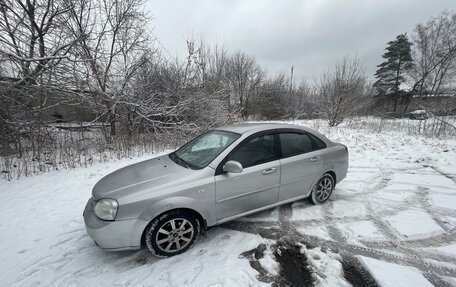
x=113 y=235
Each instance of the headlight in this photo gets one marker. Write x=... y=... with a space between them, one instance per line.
x=106 y=209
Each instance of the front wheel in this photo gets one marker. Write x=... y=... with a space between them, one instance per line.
x=172 y=233
x=322 y=190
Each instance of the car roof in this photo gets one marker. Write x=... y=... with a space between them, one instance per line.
x=246 y=127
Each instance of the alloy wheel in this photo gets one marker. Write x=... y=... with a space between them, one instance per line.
x=174 y=235
x=324 y=189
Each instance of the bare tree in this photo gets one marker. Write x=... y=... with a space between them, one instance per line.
x=301 y=101
x=34 y=45
x=182 y=96
x=341 y=91
x=33 y=38
x=434 y=54
x=243 y=77
x=212 y=65
x=115 y=44
x=271 y=99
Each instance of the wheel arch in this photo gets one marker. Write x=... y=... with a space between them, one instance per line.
x=332 y=174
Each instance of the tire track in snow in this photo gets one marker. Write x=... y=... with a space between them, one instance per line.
x=393 y=249
x=447 y=175
x=350 y=249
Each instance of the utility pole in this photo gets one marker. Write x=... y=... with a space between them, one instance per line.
x=291 y=79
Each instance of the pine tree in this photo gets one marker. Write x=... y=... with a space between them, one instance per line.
x=390 y=73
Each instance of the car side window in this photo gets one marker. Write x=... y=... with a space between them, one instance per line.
x=296 y=143
x=317 y=143
x=258 y=150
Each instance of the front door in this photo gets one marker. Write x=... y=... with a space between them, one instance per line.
x=257 y=185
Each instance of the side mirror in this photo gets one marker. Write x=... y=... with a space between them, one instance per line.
x=232 y=166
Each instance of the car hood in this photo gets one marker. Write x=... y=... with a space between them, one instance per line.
x=148 y=173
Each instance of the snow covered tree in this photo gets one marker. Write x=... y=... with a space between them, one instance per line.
x=33 y=37
x=390 y=73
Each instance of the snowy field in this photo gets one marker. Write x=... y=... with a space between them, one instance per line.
x=391 y=222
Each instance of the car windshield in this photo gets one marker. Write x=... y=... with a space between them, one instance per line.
x=200 y=151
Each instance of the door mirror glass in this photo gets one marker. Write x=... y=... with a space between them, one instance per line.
x=232 y=166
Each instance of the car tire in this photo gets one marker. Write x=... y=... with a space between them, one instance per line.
x=322 y=190
x=172 y=233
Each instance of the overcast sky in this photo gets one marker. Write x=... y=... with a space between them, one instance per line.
x=310 y=35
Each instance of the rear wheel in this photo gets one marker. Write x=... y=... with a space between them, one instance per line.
x=322 y=190
x=172 y=233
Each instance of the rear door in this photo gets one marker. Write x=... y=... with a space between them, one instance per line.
x=257 y=185
x=301 y=162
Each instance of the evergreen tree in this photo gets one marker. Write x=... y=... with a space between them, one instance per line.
x=390 y=73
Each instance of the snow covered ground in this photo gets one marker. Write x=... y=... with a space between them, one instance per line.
x=393 y=218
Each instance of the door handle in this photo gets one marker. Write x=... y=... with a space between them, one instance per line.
x=269 y=170
x=315 y=158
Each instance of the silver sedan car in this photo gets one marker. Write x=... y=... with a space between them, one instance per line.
x=223 y=174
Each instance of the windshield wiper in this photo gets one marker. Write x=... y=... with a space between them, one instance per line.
x=180 y=161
